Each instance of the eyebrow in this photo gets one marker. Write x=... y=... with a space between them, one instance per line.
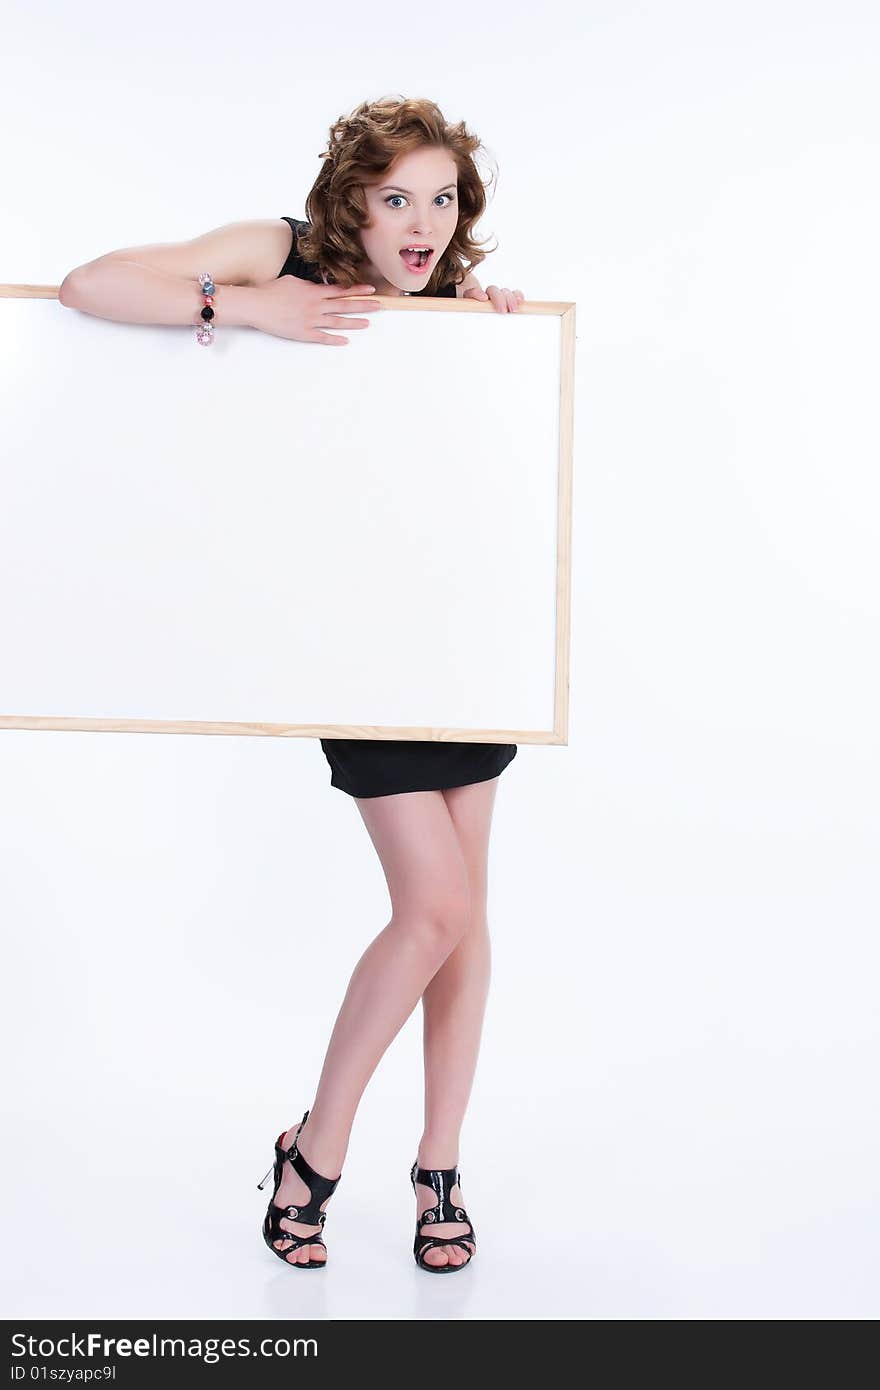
x=409 y=192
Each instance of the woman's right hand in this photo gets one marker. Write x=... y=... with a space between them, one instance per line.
x=289 y=307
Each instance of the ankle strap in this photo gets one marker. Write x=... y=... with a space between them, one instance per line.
x=441 y=1181
x=435 y=1177
x=301 y=1165
x=320 y=1186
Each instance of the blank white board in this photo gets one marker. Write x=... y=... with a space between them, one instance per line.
x=265 y=536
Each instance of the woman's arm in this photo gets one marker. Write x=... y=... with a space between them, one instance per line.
x=159 y=283
x=130 y=293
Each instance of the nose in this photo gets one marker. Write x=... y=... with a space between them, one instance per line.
x=422 y=228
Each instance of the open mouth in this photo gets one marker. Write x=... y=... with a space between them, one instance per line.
x=416 y=260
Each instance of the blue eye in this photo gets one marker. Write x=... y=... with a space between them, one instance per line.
x=392 y=196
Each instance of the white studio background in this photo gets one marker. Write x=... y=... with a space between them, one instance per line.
x=681 y=1042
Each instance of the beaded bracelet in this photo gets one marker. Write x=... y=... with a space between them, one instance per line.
x=205 y=334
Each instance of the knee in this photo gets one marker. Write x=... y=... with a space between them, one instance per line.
x=441 y=922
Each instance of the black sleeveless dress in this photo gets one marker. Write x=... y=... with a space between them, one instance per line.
x=383 y=767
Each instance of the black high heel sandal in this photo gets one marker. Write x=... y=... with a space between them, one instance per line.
x=320 y=1188
x=442 y=1180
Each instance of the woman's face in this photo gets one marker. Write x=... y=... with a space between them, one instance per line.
x=415 y=202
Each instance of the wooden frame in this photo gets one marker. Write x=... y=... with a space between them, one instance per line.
x=565 y=311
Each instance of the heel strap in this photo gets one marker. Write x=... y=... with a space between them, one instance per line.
x=320 y=1187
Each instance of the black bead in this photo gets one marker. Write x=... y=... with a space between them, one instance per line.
x=207 y=313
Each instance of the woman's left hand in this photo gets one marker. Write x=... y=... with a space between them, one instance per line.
x=503 y=300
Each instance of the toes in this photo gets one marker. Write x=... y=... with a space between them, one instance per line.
x=299 y=1254
x=305 y=1253
x=436 y=1255
x=447 y=1254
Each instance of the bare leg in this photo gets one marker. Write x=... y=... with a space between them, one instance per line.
x=427 y=878
x=453 y=1006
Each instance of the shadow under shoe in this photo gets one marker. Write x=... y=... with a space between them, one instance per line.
x=320 y=1188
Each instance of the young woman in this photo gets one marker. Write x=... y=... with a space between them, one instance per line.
x=396 y=177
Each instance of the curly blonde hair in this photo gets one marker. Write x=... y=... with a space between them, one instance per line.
x=362 y=147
